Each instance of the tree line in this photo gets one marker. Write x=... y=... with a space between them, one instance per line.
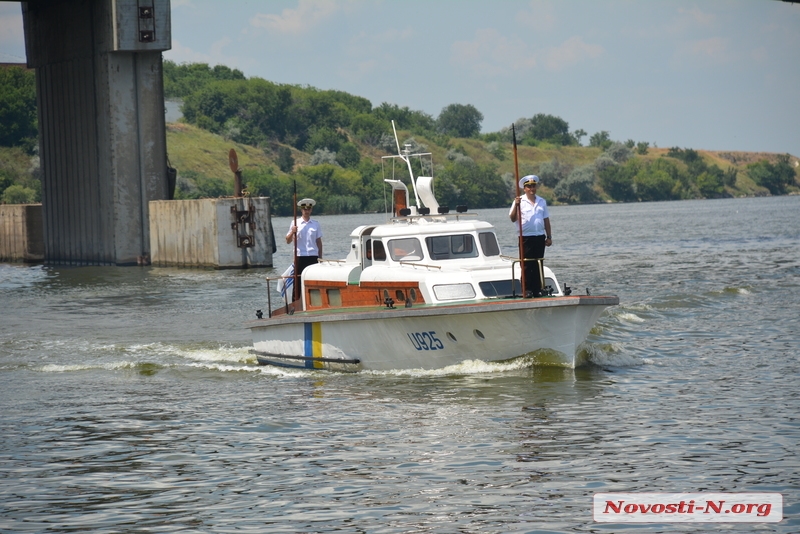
x=340 y=134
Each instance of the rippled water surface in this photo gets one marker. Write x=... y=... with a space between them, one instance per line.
x=129 y=401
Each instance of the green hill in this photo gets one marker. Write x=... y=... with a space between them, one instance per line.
x=201 y=155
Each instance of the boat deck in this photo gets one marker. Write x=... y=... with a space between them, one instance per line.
x=417 y=310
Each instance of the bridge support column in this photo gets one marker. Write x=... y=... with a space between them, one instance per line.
x=101 y=124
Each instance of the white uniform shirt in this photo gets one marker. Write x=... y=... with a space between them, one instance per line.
x=533 y=215
x=307 y=235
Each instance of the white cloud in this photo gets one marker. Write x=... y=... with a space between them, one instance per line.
x=572 y=51
x=216 y=56
x=492 y=54
x=539 y=16
x=696 y=17
x=307 y=15
x=702 y=52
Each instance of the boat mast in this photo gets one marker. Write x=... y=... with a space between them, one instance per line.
x=403 y=154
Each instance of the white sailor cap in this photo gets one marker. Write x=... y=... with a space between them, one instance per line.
x=531 y=178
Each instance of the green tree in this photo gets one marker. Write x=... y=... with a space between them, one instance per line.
x=324 y=138
x=285 y=160
x=257 y=108
x=264 y=182
x=464 y=182
x=418 y=122
x=18 y=126
x=553 y=172
x=182 y=80
x=774 y=177
x=551 y=129
x=617 y=180
x=600 y=140
x=710 y=185
x=17 y=194
x=369 y=129
x=618 y=152
x=459 y=120
x=652 y=183
x=348 y=156
x=578 y=186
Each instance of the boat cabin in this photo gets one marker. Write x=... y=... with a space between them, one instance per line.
x=416 y=260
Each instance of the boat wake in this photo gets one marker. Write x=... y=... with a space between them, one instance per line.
x=608 y=355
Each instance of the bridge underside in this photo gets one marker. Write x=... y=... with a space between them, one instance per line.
x=101 y=124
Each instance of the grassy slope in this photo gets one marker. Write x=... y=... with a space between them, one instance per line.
x=191 y=148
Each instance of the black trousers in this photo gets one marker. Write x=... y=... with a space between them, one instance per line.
x=305 y=261
x=533 y=247
x=302 y=263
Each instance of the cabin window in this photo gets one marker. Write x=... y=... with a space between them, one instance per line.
x=378 y=252
x=334 y=298
x=454 y=291
x=489 y=244
x=451 y=247
x=315 y=297
x=500 y=288
x=407 y=249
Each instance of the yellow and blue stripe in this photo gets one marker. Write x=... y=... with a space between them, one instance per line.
x=312 y=344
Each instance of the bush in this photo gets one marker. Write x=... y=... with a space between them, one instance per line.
x=578 y=186
x=17 y=194
x=654 y=184
x=774 y=177
x=285 y=160
x=348 y=156
x=323 y=156
x=342 y=204
x=619 y=152
x=710 y=185
x=553 y=172
x=617 y=181
x=324 y=138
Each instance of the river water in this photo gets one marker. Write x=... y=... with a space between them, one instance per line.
x=129 y=401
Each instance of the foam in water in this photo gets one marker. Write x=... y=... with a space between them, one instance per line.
x=608 y=355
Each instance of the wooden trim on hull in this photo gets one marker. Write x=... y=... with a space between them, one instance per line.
x=320 y=295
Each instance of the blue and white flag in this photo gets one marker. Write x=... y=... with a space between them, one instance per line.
x=286 y=284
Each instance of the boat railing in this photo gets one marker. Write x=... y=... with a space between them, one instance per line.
x=515 y=261
x=415 y=264
x=432 y=217
x=269 y=295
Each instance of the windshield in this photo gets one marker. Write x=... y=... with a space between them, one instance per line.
x=451 y=247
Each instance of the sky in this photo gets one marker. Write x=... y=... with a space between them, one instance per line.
x=708 y=75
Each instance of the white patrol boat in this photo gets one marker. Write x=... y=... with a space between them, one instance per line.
x=425 y=290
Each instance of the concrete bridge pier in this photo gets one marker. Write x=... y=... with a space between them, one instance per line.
x=102 y=137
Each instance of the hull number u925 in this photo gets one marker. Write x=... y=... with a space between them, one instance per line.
x=425 y=340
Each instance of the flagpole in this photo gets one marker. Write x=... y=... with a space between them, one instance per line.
x=295 y=286
x=519 y=211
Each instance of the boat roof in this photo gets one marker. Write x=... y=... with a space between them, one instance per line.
x=424 y=226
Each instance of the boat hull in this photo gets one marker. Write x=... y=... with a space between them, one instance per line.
x=548 y=330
